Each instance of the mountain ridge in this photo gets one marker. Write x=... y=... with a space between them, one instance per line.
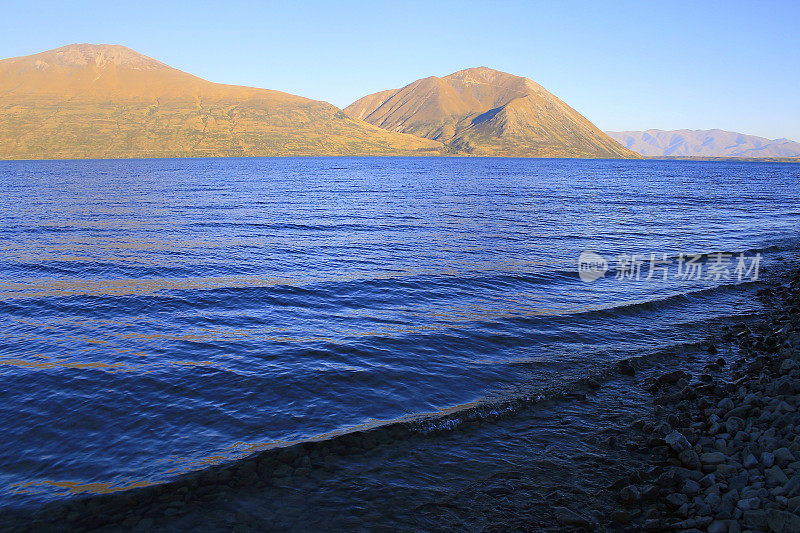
x=704 y=143
x=109 y=101
x=98 y=101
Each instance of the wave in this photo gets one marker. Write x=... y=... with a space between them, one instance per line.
x=709 y=256
x=669 y=300
x=98 y=297
x=270 y=463
x=175 y=274
x=357 y=439
x=349 y=227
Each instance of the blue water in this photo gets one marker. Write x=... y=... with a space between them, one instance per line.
x=160 y=315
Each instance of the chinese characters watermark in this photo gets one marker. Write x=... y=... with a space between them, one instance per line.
x=718 y=266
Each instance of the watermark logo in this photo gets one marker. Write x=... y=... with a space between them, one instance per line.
x=660 y=267
x=591 y=266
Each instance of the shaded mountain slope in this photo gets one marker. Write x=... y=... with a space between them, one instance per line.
x=481 y=111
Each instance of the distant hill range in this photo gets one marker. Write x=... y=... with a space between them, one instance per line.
x=480 y=111
x=107 y=101
x=704 y=143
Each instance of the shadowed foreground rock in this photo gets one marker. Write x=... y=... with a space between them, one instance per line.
x=729 y=448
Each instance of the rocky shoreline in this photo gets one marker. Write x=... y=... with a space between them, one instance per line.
x=725 y=448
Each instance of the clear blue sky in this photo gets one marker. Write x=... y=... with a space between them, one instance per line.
x=625 y=65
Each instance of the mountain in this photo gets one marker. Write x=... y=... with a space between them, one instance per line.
x=98 y=101
x=481 y=111
x=704 y=143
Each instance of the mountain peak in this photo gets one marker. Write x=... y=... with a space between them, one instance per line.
x=477 y=72
x=481 y=74
x=94 y=55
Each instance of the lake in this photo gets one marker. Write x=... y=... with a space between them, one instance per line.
x=159 y=316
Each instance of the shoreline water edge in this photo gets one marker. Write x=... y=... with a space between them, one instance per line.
x=717 y=449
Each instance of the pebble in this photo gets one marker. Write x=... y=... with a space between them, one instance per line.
x=731 y=462
x=691 y=487
x=776 y=476
x=712 y=458
x=676 y=499
x=567 y=517
x=630 y=494
x=718 y=526
x=784 y=456
x=750 y=461
x=767 y=459
x=707 y=481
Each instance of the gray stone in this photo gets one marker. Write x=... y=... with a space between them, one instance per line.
x=732 y=495
x=733 y=425
x=714 y=502
x=740 y=411
x=676 y=499
x=567 y=517
x=783 y=456
x=700 y=507
x=767 y=459
x=653 y=525
x=756 y=519
x=788 y=365
x=794 y=340
x=672 y=377
x=748 y=504
x=712 y=458
x=725 y=404
x=686 y=473
x=145 y=524
x=621 y=516
x=691 y=487
x=793 y=503
x=650 y=492
x=749 y=492
x=677 y=441
x=690 y=459
x=727 y=470
x=775 y=476
x=721 y=445
x=750 y=461
x=703 y=521
x=630 y=494
x=718 y=526
x=780 y=521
